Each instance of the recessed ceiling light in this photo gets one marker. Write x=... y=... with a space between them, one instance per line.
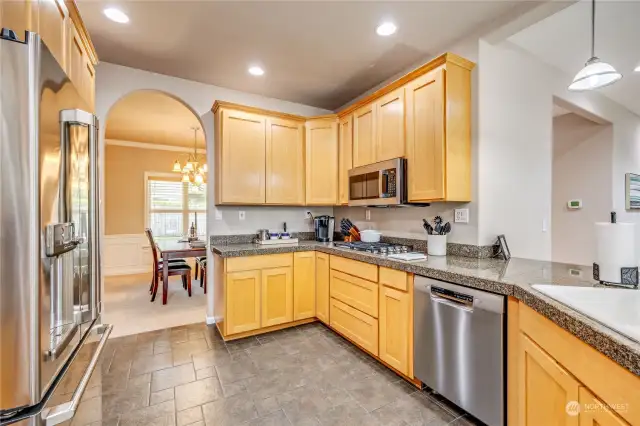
x=116 y=15
x=255 y=70
x=386 y=29
x=637 y=69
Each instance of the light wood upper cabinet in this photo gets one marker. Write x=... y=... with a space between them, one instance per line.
x=285 y=162
x=364 y=135
x=322 y=287
x=19 y=16
x=345 y=161
x=277 y=296
x=53 y=28
x=594 y=412
x=240 y=154
x=390 y=139
x=304 y=285
x=322 y=161
x=545 y=388
x=425 y=137
x=395 y=313
x=79 y=67
x=243 y=301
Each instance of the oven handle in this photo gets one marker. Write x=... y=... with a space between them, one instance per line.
x=63 y=412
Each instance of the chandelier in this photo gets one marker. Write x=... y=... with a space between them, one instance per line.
x=195 y=169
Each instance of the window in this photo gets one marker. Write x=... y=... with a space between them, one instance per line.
x=172 y=206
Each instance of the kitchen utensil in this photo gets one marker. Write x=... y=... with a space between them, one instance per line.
x=446 y=229
x=427 y=226
x=370 y=236
x=437 y=245
x=263 y=234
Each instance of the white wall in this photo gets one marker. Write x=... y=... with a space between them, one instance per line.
x=516 y=93
x=114 y=82
x=582 y=161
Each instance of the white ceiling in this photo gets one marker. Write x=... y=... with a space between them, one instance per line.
x=153 y=117
x=319 y=53
x=563 y=40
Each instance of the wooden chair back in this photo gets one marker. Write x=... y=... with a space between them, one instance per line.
x=154 y=249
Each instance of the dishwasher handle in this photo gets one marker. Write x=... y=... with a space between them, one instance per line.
x=451 y=298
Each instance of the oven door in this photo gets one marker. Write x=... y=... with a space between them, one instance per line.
x=378 y=184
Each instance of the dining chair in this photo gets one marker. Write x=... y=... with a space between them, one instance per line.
x=201 y=262
x=175 y=268
x=149 y=233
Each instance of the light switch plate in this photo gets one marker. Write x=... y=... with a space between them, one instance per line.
x=241 y=215
x=461 y=216
x=218 y=215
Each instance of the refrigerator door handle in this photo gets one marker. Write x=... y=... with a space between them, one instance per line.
x=63 y=412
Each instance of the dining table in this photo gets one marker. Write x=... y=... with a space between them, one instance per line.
x=174 y=249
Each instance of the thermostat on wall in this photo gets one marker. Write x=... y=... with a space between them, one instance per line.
x=574 y=204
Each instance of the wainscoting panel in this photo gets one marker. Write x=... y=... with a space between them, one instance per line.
x=126 y=254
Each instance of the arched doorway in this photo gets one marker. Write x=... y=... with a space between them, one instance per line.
x=155 y=177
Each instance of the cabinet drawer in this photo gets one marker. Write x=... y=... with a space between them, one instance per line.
x=250 y=263
x=355 y=325
x=356 y=292
x=353 y=267
x=393 y=278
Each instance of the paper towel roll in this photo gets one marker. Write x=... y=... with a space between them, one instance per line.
x=615 y=249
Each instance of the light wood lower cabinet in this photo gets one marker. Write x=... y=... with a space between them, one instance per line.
x=354 y=291
x=394 y=319
x=359 y=327
x=594 y=412
x=322 y=287
x=277 y=296
x=304 y=285
x=243 y=301
x=546 y=389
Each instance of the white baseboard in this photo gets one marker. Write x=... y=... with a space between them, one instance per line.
x=210 y=320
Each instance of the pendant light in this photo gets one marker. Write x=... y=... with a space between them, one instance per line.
x=595 y=73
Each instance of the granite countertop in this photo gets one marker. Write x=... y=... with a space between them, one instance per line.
x=512 y=278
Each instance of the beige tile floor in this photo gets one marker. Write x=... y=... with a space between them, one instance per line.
x=128 y=308
x=306 y=375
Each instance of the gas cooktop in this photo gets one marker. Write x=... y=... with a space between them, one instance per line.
x=375 y=248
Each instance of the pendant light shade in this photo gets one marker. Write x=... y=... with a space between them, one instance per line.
x=177 y=167
x=185 y=178
x=594 y=75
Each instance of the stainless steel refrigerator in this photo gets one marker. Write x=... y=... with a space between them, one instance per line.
x=51 y=338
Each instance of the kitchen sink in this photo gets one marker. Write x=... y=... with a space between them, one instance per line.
x=615 y=308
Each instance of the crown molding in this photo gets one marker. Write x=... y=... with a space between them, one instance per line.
x=153 y=146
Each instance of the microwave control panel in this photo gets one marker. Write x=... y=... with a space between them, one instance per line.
x=388 y=183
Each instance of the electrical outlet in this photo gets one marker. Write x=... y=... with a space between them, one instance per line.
x=308 y=215
x=367 y=214
x=241 y=215
x=218 y=215
x=461 y=216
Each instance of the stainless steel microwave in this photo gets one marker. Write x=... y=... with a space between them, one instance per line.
x=379 y=184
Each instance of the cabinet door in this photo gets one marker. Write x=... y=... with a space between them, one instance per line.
x=425 y=100
x=545 y=388
x=243 y=158
x=594 y=412
x=285 y=162
x=364 y=135
x=76 y=61
x=357 y=326
x=277 y=296
x=390 y=126
x=52 y=16
x=243 y=301
x=19 y=16
x=345 y=160
x=90 y=84
x=394 y=328
x=322 y=162
x=304 y=285
x=322 y=287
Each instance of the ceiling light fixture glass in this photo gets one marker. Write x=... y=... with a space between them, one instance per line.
x=595 y=73
x=386 y=29
x=195 y=168
x=255 y=70
x=116 y=15
x=637 y=69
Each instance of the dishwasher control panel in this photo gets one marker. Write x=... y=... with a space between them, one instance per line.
x=451 y=295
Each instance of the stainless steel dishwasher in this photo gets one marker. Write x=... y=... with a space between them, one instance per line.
x=459 y=346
